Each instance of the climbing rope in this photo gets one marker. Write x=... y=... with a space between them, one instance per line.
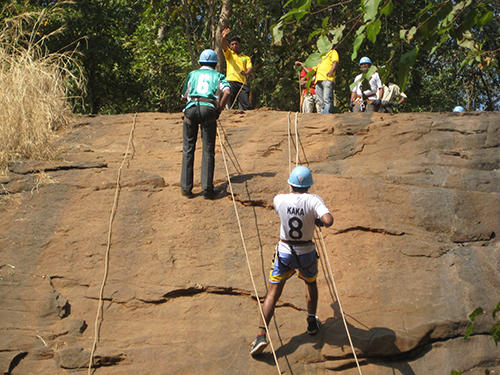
x=289 y=150
x=324 y=253
x=296 y=139
x=106 y=260
x=113 y=212
x=246 y=254
x=231 y=154
x=289 y=146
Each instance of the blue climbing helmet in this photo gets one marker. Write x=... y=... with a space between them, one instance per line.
x=458 y=109
x=208 y=56
x=301 y=177
x=365 y=60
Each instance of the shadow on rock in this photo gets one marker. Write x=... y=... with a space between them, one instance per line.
x=372 y=346
x=246 y=177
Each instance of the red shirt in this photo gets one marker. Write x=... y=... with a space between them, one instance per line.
x=312 y=90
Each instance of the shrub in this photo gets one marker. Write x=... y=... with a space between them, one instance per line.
x=34 y=86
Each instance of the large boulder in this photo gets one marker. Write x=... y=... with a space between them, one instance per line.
x=414 y=248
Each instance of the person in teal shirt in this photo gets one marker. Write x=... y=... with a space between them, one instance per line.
x=201 y=91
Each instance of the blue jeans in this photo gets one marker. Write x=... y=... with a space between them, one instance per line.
x=324 y=96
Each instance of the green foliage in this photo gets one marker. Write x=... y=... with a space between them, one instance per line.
x=127 y=65
x=136 y=54
x=100 y=30
x=324 y=45
x=162 y=62
x=408 y=36
x=472 y=318
x=494 y=330
x=274 y=82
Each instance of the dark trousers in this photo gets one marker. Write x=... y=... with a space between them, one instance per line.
x=243 y=95
x=205 y=117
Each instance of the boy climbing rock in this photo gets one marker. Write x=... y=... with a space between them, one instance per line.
x=299 y=212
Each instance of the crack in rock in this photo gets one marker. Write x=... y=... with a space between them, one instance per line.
x=271 y=149
x=460 y=238
x=15 y=361
x=198 y=288
x=253 y=203
x=109 y=357
x=463 y=132
x=373 y=230
x=356 y=152
x=228 y=291
x=159 y=299
x=33 y=167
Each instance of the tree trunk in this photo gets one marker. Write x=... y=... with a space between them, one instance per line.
x=211 y=27
x=188 y=35
x=225 y=13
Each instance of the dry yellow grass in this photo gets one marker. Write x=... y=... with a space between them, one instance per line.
x=34 y=88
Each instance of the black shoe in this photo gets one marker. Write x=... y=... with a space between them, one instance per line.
x=313 y=324
x=259 y=344
x=210 y=193
x=187 y=194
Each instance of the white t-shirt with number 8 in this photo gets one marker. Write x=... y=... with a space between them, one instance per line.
x=298 y=213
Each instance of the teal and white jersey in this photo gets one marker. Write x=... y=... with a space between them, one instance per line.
x=205 y=83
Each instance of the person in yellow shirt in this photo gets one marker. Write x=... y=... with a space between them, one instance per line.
x=239 y=66
x=325 y=81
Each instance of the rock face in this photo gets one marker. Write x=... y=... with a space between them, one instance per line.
x=414 y=248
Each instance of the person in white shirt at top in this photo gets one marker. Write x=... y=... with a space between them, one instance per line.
x=365 y=99
x=299 y=212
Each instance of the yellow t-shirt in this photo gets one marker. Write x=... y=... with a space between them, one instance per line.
x=326 y=65
x=235 y=64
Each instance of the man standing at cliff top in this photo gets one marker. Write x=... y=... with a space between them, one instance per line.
x=202 y=92
x=238 y=67
x=299 y=212
x=325 y=81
